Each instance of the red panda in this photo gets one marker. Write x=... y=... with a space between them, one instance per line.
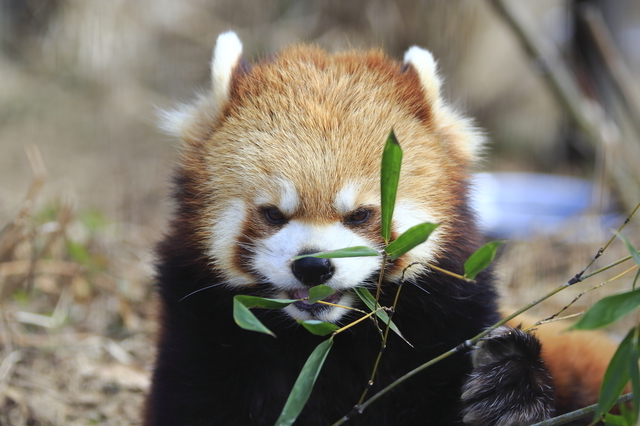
x=282 y=158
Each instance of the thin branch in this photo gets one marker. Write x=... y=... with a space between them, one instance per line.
x=385 y=337
x=552 y=319
x=575 y=299
x=574 y=415
x=579 y=276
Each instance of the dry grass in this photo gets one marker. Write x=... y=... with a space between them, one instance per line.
x=76 y=316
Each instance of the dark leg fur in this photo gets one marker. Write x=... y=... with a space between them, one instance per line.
x=509 y=384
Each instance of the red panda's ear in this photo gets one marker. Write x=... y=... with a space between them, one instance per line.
x=423 y=62
x=226 y=56
x=189 y=121
x=467 y=139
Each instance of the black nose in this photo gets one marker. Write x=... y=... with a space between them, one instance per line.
x=312 y=270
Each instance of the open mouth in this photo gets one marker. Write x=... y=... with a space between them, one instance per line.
x=304 y=305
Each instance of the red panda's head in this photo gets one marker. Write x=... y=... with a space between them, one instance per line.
x=282 y=158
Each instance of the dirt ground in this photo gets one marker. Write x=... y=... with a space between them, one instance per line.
x=85 y=174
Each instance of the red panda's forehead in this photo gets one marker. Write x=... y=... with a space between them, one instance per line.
x=318 y=123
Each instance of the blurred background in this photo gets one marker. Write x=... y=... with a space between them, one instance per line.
x=84 y=172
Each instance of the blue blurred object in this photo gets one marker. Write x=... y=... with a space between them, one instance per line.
x=518 y=205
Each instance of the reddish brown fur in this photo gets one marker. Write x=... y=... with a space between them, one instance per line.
x=315 y=109
x=577 y=361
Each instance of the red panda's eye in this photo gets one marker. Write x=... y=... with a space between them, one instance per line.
x=357 y=217
x=273 y=215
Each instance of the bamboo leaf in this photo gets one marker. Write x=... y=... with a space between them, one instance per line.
x=615 y=420
x=261 y=302
x=370 y=301
x=409 y=239
x=608 y=310
x=634 y=376
x=357 y=251
x=632 y=250
x=319 y=328
x=247 y=320
x=616 y=377
x=304 y=384
x=481 y=259
x=628 y=414
x=389 y=178
x=319 y=292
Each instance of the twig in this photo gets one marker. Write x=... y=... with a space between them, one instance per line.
x=384 y=339
x=579 y=276
x=575 y=299
x=553 y=319
x=351 y=324
x=574 y=415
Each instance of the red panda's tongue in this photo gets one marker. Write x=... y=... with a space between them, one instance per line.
x=301 y=293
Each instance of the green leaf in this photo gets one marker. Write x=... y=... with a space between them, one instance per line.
x=616 y=377
x=319 y=328
x=389 y=178
x=635 y=280
x=357 y=251
x=614 y=420
x=628 y=414
x=370 y=301
x=319 y=292
x=261 y=302
x=409 y=239
x=247 y=320
x=481 y=259
x=608 y=310
x=634 y=253
x=304 y=384
x=634 y=375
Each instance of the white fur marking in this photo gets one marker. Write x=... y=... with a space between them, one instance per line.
x=174 y=121
x=289 y=199
x=345 y=201
x=274 y=256
x=422 y=60
x=225 y=232
x=226 y=55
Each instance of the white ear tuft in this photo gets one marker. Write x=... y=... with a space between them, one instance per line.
x=226 y=56
x=464 y=135
x=423 y=62
x=174 y=122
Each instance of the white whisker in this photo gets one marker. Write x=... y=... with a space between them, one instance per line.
x=201 y=289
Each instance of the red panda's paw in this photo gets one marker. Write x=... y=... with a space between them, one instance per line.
x=509 y=384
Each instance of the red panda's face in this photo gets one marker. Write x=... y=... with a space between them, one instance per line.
x=283 y=159
x=274 y=233
x=256 y=239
